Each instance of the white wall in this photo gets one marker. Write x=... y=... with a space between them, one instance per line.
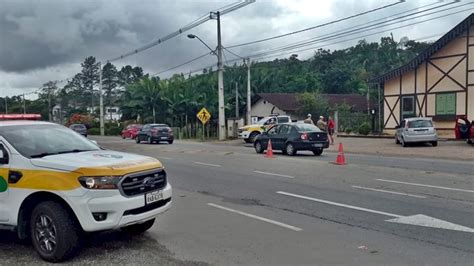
x=263 y=108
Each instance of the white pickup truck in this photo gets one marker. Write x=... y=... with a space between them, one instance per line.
x=249 y=132
x=56 y=185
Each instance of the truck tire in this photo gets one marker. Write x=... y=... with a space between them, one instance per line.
x=138 y=229
x=252 y=136
x=55 y=233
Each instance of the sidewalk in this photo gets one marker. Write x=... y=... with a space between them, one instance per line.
x=455 y=150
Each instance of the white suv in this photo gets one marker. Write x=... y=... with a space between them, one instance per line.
x=56 y=185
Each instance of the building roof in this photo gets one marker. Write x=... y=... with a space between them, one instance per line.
x=289 y=101
x=455 y=32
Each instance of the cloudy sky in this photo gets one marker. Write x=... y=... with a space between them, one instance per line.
x=47 y=40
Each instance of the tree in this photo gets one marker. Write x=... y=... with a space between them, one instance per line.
x=109 y=84
x=90 y=76
x=129 y=75
x=312 y=103
x=146 y=93
x=49 y=92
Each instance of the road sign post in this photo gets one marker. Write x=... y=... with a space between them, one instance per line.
x=204 y=116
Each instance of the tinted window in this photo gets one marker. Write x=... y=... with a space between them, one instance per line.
x=273 y=130
x=420 y=123
x=32 y=140
x=307 y=128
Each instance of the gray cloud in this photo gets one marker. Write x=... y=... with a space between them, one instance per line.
x=45 y=38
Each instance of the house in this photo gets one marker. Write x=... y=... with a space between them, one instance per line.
x=265 y=104
x=438 y=83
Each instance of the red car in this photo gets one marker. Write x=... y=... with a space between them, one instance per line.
x=464 y=129
x=131 y=131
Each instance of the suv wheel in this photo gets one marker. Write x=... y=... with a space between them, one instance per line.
x=55 y=234
x=290 y=149
x=258 y=147
x=137 y=229
x=252 y=136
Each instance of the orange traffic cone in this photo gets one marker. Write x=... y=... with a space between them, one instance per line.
x=269 y=153
x=341 y=160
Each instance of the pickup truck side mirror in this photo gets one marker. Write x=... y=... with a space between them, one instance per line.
x=4 y=159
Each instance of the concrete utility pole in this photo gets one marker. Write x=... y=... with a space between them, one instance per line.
x=249 y=94
x=236 y=99
x=220 y=79
x=101 y=102
x=49 y=105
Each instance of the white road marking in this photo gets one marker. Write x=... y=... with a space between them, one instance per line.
x=391 y=192
x=418 y=219
x=338 y=204
x=287 y=226
x=267 y=173
x=207 y=164
x=423 y=185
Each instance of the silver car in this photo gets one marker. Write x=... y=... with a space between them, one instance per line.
x=416 y=130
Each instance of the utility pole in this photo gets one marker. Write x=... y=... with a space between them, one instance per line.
x=49 y=104
x=249 y=94
x=220 y=77
x=379 y=109
x=101 y=102
x=236 y=100
x=24 y=104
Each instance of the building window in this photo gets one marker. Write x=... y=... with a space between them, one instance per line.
x=408 y=106
x=446 y=104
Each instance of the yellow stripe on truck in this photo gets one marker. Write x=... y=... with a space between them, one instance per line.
x=55 y=180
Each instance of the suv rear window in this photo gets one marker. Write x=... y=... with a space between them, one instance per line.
x=419 y=123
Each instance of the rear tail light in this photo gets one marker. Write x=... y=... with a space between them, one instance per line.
x=304 y=136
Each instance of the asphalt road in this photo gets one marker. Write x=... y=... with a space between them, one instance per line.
x=233 y=206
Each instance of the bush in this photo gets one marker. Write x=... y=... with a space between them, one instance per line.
x=364 y=129
x=348 y=130
x=93 y=131
x=112 y=129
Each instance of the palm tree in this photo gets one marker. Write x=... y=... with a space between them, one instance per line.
x=144 y=95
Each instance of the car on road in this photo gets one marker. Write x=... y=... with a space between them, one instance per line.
x=416 y=130
x=248 y=133
x=131 y=131
x=79 y=128
x=293 y=137
x=464 y=129
x=152 y=133
x=56 y=187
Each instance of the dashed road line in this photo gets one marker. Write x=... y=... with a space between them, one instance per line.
x=287 y=226
x=391 y=192
x=273 y=174
x=423 y=185
x=207 y=164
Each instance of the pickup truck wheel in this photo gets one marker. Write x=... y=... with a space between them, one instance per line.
x=290 y=149
x=55 y=234
x=252 y=136
x=318 y=152
x=258 y=147
x=137 y=229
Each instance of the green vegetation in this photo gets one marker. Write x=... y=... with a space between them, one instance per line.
x=364 y=129
x=176 y=100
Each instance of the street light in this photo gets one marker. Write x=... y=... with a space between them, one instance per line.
x=220 y=75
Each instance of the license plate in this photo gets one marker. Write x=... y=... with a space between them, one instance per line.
x=154 y=196
x=318 y=145
x=164 y=138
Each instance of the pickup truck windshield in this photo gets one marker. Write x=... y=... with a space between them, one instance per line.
x=34 y=141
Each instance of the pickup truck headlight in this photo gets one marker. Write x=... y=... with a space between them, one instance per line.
x=99 y=182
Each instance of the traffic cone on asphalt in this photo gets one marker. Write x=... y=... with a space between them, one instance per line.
x=341 y=160
x=269 y=153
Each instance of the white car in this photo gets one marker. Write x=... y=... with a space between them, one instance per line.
x=56 y=185
x=416 y=130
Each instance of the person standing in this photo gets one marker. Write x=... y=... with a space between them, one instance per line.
x=331 y=126
x=308 y=120
x=321 y=124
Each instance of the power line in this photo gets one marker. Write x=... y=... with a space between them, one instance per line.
x=317 y=26
x=182 y=64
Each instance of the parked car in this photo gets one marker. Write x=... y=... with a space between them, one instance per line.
x=464 y=129
x=293 y=137
x=416 y=130
x=152 y=133
x=79 y=128
x=131 y=131
x=248 y=133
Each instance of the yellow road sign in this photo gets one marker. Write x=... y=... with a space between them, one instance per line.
x=204 y=115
